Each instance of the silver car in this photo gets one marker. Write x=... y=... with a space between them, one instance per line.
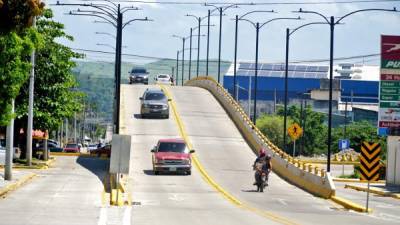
x=154 y=103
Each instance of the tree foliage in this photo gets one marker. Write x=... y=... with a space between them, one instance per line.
x=16 y=15
x=55 y=95
x=15 y=50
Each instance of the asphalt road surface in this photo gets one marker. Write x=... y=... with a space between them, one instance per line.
x=69 y=193
x=179 y=199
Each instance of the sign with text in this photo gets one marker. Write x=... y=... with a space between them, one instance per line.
x=389 y=86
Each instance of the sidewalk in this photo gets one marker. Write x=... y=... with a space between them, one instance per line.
x=20 y=177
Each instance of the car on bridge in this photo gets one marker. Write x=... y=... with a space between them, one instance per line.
x=154 y=103
x=172 y=155
x=163 y=79
x=138 y=75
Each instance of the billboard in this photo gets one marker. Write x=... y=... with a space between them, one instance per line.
x=389 y=85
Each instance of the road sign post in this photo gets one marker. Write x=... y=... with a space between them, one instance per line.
x=370 y=164
x=295 y=131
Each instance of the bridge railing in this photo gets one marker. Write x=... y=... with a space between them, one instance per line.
x=308 y=177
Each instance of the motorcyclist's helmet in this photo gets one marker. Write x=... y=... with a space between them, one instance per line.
x=262 y=153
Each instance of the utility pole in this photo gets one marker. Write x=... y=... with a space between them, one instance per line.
x=66 y=130
x=9 y=147
x=75 y=137
x=30 y=107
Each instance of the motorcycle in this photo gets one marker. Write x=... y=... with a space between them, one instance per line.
x=261 y=181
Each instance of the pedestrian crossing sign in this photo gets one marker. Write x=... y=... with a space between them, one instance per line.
x=295 y=131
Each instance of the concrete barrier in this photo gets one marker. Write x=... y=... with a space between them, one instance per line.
x=313 y=180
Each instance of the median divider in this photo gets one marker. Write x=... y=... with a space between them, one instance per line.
x=308 y=177
x=119 y=195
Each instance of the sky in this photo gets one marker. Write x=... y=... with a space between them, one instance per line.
x=358 y=35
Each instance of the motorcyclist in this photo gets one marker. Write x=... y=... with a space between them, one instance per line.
x=258 y=162
x=267 y=167
x=263 y=168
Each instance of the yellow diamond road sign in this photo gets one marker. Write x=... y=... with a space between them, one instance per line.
x=295 y=131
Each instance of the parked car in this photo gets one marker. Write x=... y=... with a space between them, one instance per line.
x=92 y=147
x=163 y=79
x=154 y=103
x=72 y=147
x=172 y=155
x=51 y=146
x=138 y=75
x=16 y=155
x=105 y=150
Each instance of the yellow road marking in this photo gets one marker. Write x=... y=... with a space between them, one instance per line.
x=211 y=181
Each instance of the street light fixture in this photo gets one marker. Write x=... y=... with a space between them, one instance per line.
x=110 y=46
x=183 y=52
x=190 y=53
x=332 y=22
x=112 y=14
x=177 y=63
x=258 y=26
x=221 y=10
x=108 y=34
x=237 y=18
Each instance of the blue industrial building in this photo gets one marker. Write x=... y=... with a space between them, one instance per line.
x=358 y=84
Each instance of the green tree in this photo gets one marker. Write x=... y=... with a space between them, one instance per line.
x=16 y=15
x=358 y=132
x=16 y=43
x=272 y=127
x=55 y=95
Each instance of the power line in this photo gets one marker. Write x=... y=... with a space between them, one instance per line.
x=259 y=3
x=226 y=61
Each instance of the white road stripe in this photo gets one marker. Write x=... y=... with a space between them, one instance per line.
x=102 y=217
x=127 y=216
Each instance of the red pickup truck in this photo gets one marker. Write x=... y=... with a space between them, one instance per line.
x=172 y=155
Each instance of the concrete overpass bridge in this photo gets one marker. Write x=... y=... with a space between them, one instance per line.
x=220 y=189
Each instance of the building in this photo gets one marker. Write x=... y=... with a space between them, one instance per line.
x=356 y=84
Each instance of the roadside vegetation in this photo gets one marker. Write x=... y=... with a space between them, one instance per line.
x=314 y=139
x=55 y=94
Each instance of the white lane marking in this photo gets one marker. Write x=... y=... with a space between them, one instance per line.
x=283 y=202
x=389 y=217
x=126 y=220
x=102 y=217
x=385 y=206
x=175 y=197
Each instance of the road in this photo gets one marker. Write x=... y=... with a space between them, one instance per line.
x=69 y=193
x=171 y=199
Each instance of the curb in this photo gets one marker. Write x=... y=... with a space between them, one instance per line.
x=119 y=195
x=17 y=184
x=357 y=180
x=349 y=205
x=373 y=190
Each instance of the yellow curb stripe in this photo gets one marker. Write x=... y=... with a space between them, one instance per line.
x=14 y=186
x=373 y=190
x=211 y=181
x=349 y=205
x=356 y=180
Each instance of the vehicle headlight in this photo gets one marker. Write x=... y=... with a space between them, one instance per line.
x=186 y=161
x=165 y=107
x=145 y=77
x=133 y=76
x=146 y=105
x=160 y=161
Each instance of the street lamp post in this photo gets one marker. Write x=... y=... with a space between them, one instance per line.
x=288 y=33
x=332 y=22
x=190 y=51
x=177 y=68
x=110 y=13
x=258 y=26
x=221 y=10
x=237 y=18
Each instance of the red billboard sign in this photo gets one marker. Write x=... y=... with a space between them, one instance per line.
x=390 y=49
